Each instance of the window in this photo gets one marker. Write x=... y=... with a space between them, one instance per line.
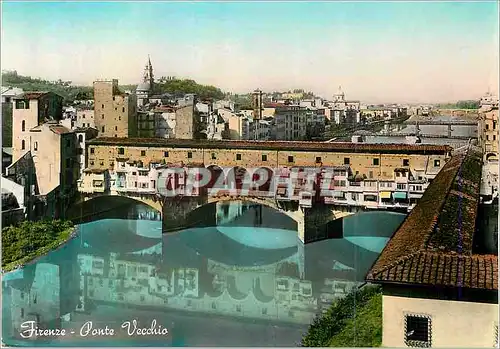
x=22 y=312
x=102 y=105
x=406 y=162
x=347 y=161
x=80 y=138
x=23 y=125
x=91 y=163
x=102 y=129
x=213 y=156
x=318 y=159
x=214 y=306
x=494 y=137
x=190 y=155
x=375 y=161
x=23 y=144
x=121 y=151
x=123 y=110
x=418 y=331
x=102 y=116
x=238 y=308
x=238 y=156
x=487 y=126
x=91 y=150
x=487 y=137
x=401 y=186
x=165 y=154
x=143 y=153
x=370 y=174
x=264 y=157
x=22 y=104
x=290 y=159
x=35 y=146
x=437 y=163
x=83 y=117
x=116 y=128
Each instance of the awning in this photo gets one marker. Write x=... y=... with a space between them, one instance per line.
x=385 y=194
x=399 y=195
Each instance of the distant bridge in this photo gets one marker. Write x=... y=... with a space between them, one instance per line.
x=423 y=135
x=443 y=123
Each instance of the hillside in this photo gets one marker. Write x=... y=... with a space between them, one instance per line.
x=70 y=92
x=62 y=88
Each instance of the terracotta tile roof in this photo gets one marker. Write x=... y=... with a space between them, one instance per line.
x=433 y=246
x=59 y=129
x=276 y=145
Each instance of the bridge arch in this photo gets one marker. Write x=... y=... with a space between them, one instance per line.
x=98 y=205
x=296 y=216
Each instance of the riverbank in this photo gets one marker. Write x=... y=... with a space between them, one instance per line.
x=28 y=241
x=352 y=321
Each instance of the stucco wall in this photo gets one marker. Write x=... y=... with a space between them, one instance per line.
x=453 y=324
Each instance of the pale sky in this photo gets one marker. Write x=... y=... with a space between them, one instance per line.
x=377 y=51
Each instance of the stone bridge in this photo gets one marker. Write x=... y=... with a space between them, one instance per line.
x=198 y=211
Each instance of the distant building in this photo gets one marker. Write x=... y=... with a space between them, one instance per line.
x=146 y=88
x=48 y=169
x=185 y=122
x=343 y=111
x=257 y=104
x=115 y=112
x=488 y=137
x=488 y=102
x=9 y=93
x=290 y=122
x=83 y=135
x=85 y=118
x=32 y=109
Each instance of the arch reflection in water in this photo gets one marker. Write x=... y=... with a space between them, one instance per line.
x=221 y=285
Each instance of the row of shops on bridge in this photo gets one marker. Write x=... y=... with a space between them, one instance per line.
x=329 y=185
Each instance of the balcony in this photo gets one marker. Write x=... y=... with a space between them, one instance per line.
x=357 y=187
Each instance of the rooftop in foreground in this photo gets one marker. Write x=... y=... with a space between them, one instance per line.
x=275 y=145
x=434 y=245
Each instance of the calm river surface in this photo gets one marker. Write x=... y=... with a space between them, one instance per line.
x=232 y=284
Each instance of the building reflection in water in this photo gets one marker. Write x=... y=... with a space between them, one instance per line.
x=119 y=268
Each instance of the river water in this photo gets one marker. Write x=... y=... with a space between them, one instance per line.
x=231 y=284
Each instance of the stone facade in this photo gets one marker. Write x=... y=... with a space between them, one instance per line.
x=115 y=113
x=371 y=163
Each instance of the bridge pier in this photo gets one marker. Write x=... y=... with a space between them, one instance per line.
x=449 y=130
x=312 y=223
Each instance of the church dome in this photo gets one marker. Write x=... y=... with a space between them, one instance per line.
x=144 y=87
